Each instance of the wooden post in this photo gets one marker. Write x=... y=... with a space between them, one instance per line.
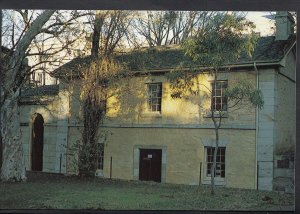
x=200 y=173
x=1 y=74
x=110 y=171
x=60 y=157
x=257 y=168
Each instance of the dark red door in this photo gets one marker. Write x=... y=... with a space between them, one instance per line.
x=37 y=144
x=150 y=165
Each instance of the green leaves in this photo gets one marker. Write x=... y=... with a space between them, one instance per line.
x=229 y=37
x=245 y=90
x=181 y=82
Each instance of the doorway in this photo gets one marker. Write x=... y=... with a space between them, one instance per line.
x=150 y=165
x=37 y=143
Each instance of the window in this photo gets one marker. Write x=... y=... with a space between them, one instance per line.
x=219 y=100
x=154 y=97
x=100 y=156
x=283 y=163
x=220 y=163
x=40 y=79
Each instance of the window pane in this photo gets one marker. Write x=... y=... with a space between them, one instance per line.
x=218 y=92
x=219 y=101
x=208 y=168
x=220 y=161
x=223 y=171
x=208 y=151
x=154 y=97
x=159 y=108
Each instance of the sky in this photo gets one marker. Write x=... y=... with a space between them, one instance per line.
x=263 y=25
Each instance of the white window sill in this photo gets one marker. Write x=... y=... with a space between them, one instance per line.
x=218 y=181
x=152 y=114
x=216 y=114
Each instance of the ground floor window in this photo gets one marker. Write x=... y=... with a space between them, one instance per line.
x=220 y=163
x=100 y=156
x=285 y=163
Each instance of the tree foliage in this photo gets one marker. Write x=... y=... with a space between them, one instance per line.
x=101 y=80
x=223 y=43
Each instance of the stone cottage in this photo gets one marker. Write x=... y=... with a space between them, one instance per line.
x=154 y=137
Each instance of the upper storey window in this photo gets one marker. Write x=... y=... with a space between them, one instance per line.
x=219 y=100
x=154 y=97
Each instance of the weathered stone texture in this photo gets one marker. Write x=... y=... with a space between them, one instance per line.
x=266 y=132
x=132 y=108
x=184 y=151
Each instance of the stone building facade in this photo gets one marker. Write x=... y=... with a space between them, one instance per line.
x=171 y=140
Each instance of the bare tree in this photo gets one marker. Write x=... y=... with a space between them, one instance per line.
x=171 y=27
x=54 y=45
x=13 y=167
x=46 y=38
x=109 y=31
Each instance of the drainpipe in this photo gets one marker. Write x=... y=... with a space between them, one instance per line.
x=256 y=126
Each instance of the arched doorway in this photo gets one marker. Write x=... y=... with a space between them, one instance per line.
x=37 y=143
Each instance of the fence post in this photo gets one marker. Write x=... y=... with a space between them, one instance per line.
x=257 y=176
x=110 y=171
x=60 y=157
x=200 y=173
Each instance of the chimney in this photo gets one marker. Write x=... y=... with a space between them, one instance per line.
x=284 y=25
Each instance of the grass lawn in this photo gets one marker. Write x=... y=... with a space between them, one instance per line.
x=105 y=194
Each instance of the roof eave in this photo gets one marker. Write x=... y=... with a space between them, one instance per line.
x=260 y=63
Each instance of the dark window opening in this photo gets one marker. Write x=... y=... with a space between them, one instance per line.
x=220 y=162
x=283 y=163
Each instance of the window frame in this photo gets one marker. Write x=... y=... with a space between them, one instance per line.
x=100 y=157
x=222 y=96
x=209 y=163
x=150 y=98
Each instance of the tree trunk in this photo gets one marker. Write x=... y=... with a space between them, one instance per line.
x=1 y=66
x=213 y=168
x=216 y=125
x=99 y=19
x=13 y=166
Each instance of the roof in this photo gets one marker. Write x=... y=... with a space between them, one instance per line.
x=168 y=57
x=44 y=90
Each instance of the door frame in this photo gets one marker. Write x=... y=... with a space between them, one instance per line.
x=136 y=160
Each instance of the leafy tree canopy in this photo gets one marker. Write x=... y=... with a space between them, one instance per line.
x=224 y=42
